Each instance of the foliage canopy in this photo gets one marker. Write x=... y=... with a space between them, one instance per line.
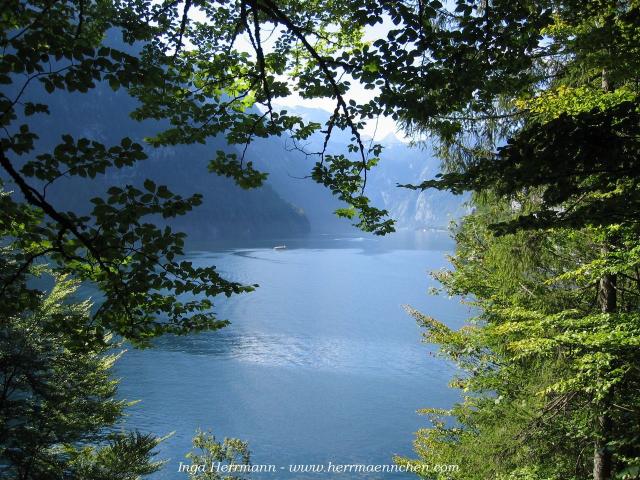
x=533 y=107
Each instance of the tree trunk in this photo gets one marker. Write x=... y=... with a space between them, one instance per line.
x=602 y=461
x=602 y=465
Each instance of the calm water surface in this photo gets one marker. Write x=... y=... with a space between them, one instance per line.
x=320 y=364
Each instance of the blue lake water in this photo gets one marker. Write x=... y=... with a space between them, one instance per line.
x=320 y=364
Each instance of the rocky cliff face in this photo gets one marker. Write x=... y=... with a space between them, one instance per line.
x=413 y=210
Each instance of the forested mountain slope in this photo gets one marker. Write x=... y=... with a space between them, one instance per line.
x=227 y=211
x=399 y=164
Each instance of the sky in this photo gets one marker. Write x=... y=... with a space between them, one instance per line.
x=378 y=128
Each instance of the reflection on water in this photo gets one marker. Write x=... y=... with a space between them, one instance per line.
x=320 y=363
x=321 y=354
x=248 y=254
x=402 y=240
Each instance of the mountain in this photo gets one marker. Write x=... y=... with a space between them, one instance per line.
x=288 y=205
x=227 y=211
x=413 y=210
x=400 y=164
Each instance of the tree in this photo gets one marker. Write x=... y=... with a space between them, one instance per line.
x=535 y=361
x=193 y=81
x=212 y=460
x=58 y=397
x=533 y=106
x=542 y=124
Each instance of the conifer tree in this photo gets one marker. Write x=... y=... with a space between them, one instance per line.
x=58 y=405
x=546 y=134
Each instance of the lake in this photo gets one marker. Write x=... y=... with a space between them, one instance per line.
x=320 y=364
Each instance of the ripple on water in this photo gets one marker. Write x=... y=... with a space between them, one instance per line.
x=362 y=357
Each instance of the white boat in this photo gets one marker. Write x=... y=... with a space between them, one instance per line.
x=280 y=247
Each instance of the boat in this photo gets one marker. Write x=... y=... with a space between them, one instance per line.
x=280 y=247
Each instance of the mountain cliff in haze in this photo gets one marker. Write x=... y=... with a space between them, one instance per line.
x=400 y=164
x=288 y=205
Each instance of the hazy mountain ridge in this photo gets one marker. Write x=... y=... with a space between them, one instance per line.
x=227 y=211
x=415 y=210
x=400 y=164
x=288 y=205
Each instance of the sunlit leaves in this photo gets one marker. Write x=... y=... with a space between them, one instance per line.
x=554 y=102
x=209 y=457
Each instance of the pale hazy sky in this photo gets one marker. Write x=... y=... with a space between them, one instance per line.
x=381 y=127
